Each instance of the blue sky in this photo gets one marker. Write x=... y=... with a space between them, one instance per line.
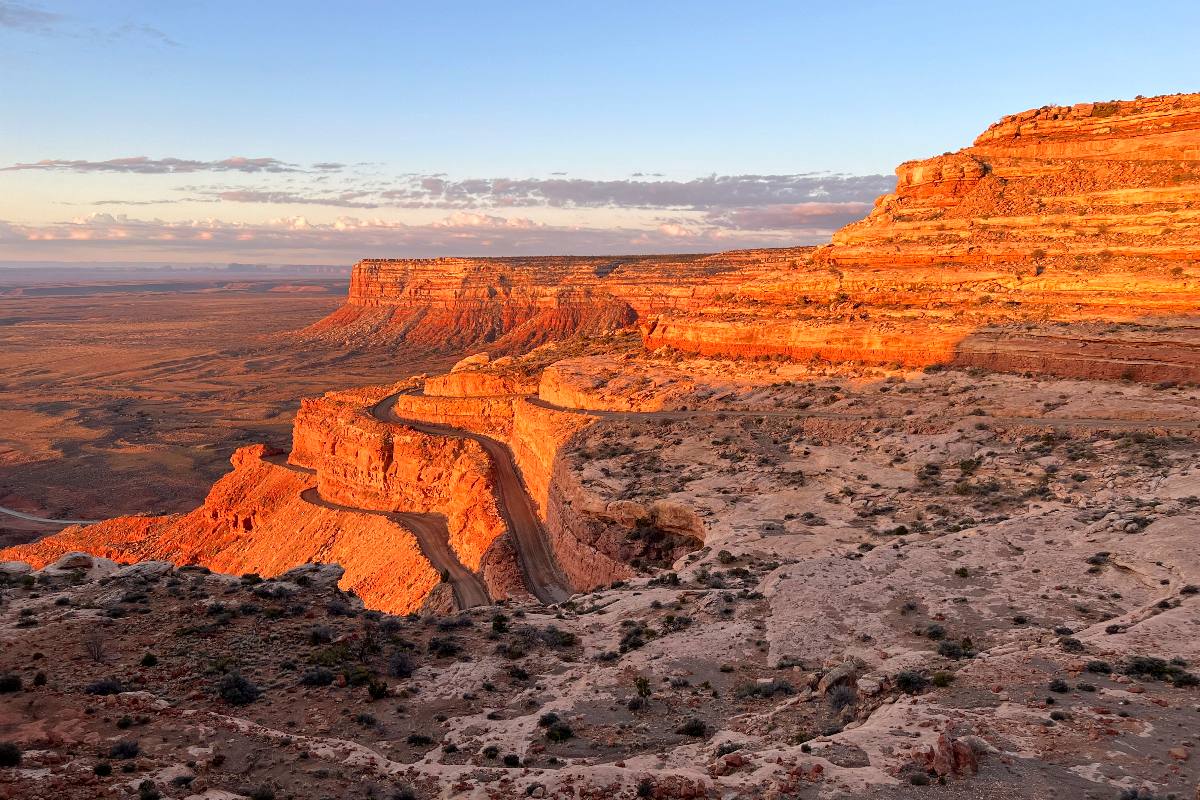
x=551 y=127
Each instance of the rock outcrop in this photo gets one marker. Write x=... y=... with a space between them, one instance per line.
x=361 y=462
x=256 y=519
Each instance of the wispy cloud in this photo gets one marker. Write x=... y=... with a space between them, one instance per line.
x=714 y=191
x=17 y=16
x=350 y=199
x=744 y=201
x=35 y=20
x=789 y=216
x=350 y=238
x=134 y=30
x=142 y=165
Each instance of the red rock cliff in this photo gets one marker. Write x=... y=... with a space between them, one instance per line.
x=1076 y=215
x=256 y=519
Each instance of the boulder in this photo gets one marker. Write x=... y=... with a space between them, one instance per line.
x=14 y=569
x=314 y=574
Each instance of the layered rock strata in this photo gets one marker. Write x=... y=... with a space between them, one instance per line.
x=1056 y=215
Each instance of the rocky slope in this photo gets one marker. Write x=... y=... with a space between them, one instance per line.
x=906 y=579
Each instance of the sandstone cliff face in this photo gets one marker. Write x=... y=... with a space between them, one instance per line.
x=255 y=520
x=1056 y=215
x=364 y=463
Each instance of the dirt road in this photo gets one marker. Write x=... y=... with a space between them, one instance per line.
x=431 y=534
x=543 y=577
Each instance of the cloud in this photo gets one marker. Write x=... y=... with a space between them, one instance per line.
x=131 y=29
x=714 y=191
x=343 y=200
x=17 y=16
x=32 y=19
x=143 y=165
x=100 y=235
x=790 y=216
x=740 y=201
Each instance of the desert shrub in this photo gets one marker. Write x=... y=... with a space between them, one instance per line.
x=512 y=760
x=692 y=727
x=1058 y=685
x=911 y=682
x=548 y=719
x=339 y=608
x=556 y=637
x=317 y=676
x=10 y=683
x=1099 y=667
x=1071 y=644
x=377 y=689
x=767 y=689
x=148 y=791
x=444 y=646
x=419 y=740
x=320 y=634
x=366 y=720
x=935 y=631
x=942 y=679
x=105 y=686
x=264 y=792
x=10 y=754
x=401 y=665
x=102 y=769
x=1154 y=667
x=124 y=749
x=237 y=690
x=559 y=732
x=149 y=660
x=952 y=650
x=841 y=696
x=96 y=647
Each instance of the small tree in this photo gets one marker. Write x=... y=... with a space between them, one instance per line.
x=96 y=647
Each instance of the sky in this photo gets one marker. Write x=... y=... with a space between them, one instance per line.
x=314 y=132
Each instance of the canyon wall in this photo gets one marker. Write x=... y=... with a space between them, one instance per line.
x=1056 y=215
x=364 y=463
x=1077 y=215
